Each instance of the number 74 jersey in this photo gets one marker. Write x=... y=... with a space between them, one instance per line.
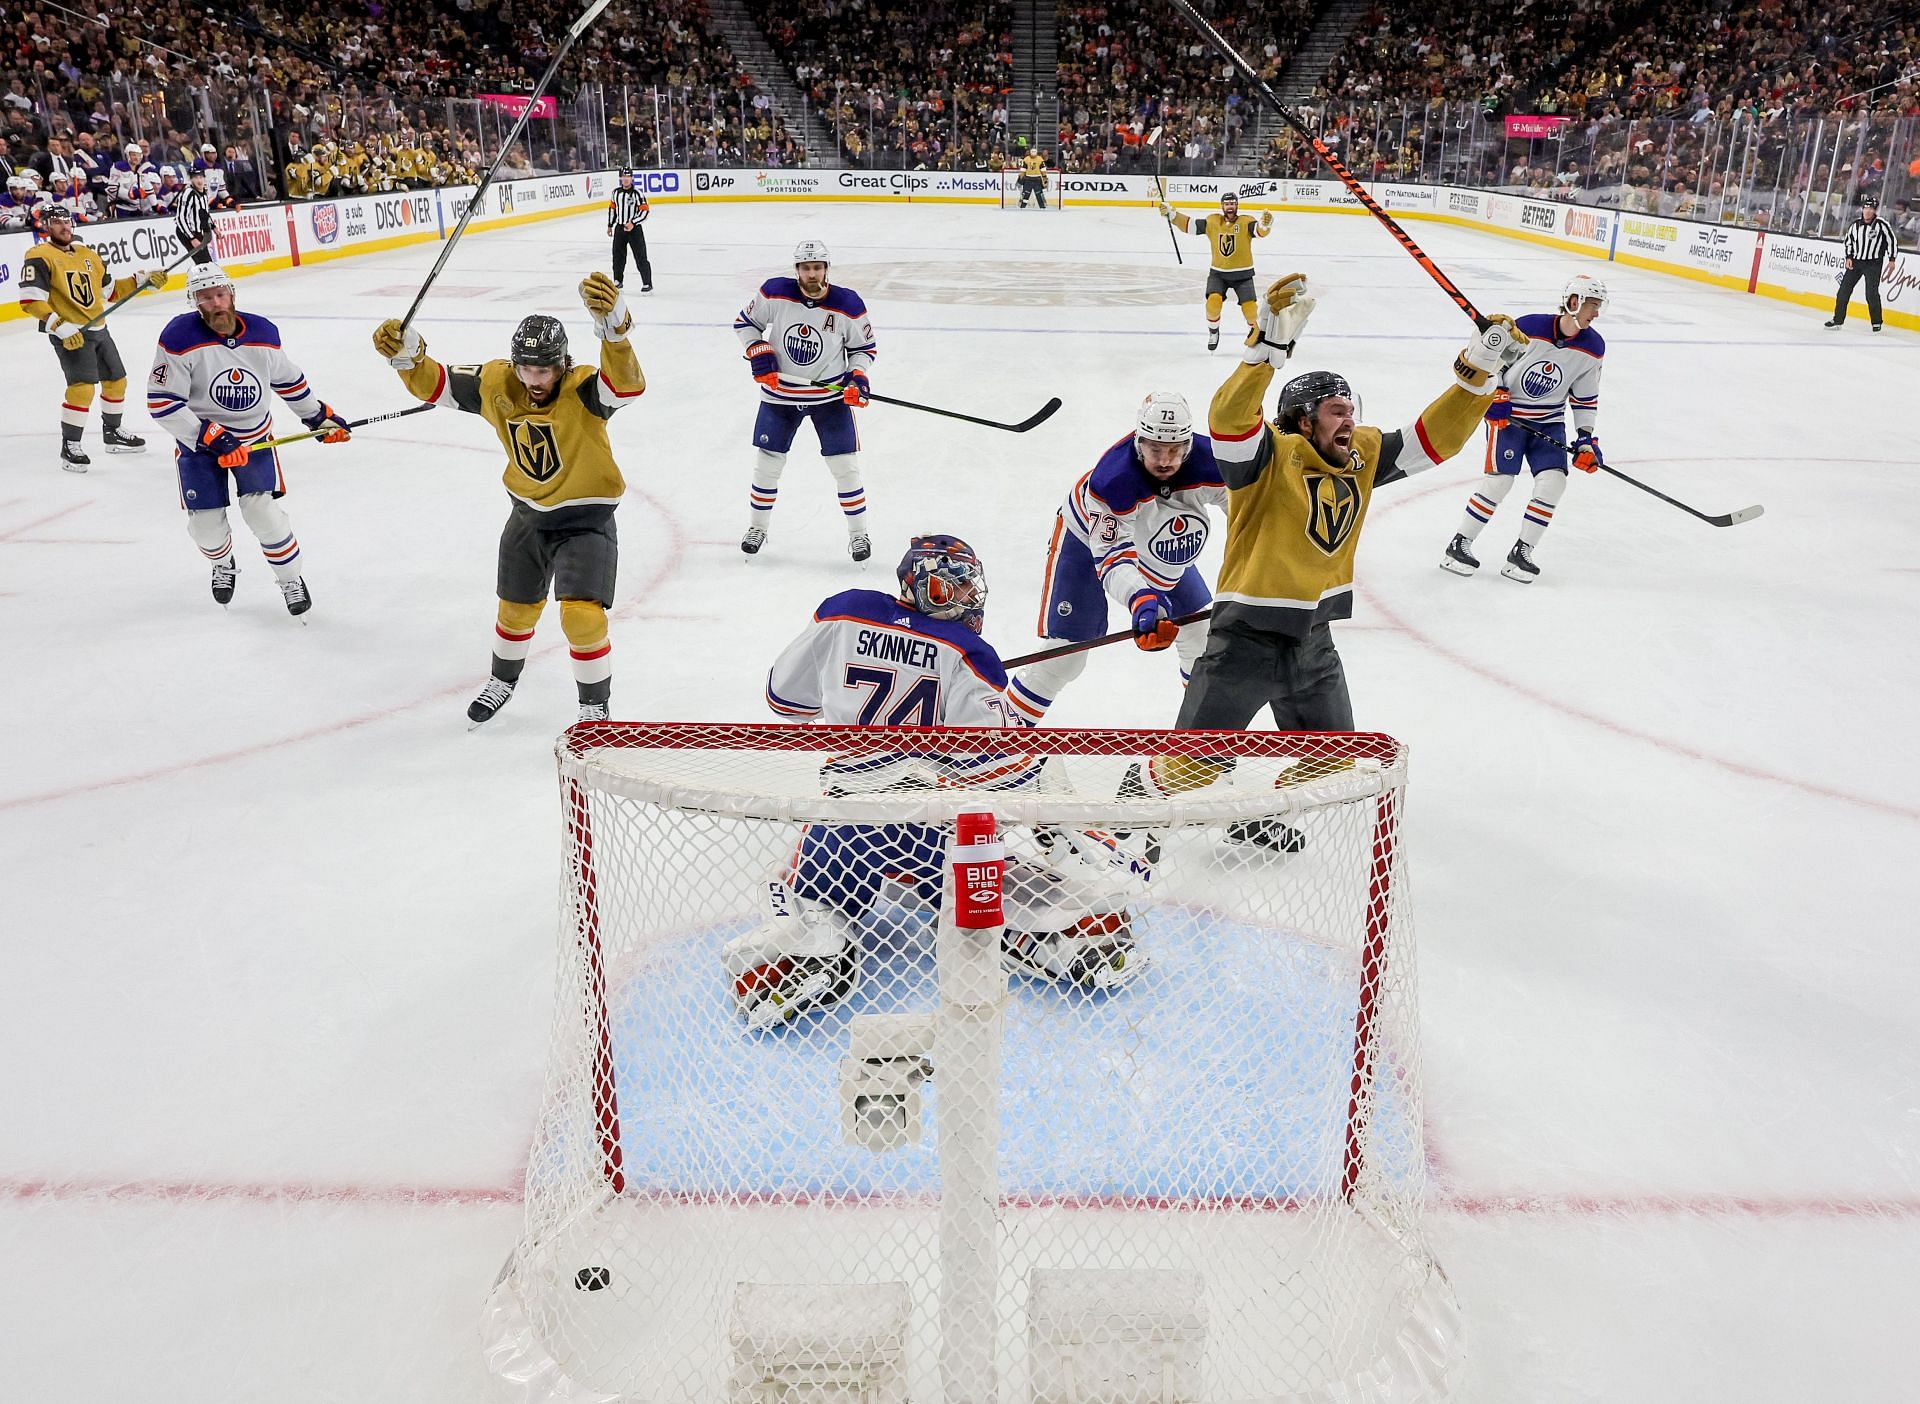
x=869 y=660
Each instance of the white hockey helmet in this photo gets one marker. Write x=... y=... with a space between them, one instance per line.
x=1165 y=418
x=810 y=251
x=205 y=277
x=29 y=178
x=1579 y=288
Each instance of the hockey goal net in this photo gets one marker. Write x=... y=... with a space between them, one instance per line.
x=1092 y=1100
x=1050 y=186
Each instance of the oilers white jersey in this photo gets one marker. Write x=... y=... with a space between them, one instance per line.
x=229 y=381
x=1556 y=375
x=1144 y=534
x=134 y=189
x=813 y=339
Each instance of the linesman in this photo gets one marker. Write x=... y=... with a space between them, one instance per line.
x=1869 y=246
x=193 y=218
x=626 y=212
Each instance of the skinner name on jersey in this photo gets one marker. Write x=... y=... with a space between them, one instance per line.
x=897 y=648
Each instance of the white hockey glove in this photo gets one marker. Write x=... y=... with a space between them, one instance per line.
x=403 y=350
x=1493 y=348
x=1284 y=309
x=611 y=319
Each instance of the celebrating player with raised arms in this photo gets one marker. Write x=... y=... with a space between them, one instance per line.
x=551 y=416
x=810 y=343
x=1129 y=531
x=916 y=659
x=1230 y=235
x=1559 y=371
x=212 y=386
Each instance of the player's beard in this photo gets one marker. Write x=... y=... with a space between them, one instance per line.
x=57 y=241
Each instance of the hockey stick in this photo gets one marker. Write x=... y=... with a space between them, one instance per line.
x=356 y=424
x=1161 y=186
x=1332 y=162
x=1723 y=519
x=1061 y=652
x=1038 y=417
x=114 y=307
x=591 y=14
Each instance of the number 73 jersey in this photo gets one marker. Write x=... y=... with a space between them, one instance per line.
x=869 y=660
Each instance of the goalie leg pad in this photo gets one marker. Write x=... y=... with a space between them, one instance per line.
x=800 y=958
x=1094 y=953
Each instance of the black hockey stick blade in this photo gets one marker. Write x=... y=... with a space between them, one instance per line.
x=1120 y=636
x=1038 y=417
x=1723 y=519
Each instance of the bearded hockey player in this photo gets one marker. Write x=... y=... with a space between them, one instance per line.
x=1230 y=236
x=1129 y=532
x=1559 y=371
x=917 y=659
x=551 y=417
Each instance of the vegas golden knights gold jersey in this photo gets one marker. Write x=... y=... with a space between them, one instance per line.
x=1232 y=239
x=72 y=281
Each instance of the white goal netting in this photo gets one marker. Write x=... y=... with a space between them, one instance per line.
x=1130 y=1114
x=1020 y=191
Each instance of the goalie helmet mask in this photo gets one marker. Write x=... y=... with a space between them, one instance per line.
x=540 y=340
x=1304 y=394
x=942 y=578
x=1579 y=288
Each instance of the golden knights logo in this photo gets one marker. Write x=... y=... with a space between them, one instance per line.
x=80 y=287
x=1333 y=509
x=536 y=452
x=1229 y=241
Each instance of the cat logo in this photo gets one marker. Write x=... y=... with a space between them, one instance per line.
x=80 y=287
x=1333 y=510
x=535 y=450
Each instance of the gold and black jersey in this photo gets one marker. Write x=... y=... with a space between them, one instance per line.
x=557 y=453
x=1033 y=164
x=72 y=282
x=1232 y=239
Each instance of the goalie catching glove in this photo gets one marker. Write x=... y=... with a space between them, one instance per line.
x=1494 y=347
x=404 y=349
x=611 y=319
x=1283 y=312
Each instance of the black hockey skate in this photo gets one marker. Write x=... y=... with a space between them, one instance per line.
x=491 y=699
x=73 y=458
x=1213 y=338
x=118 y=442
x=1520 y=564
x=859 y=546
x=591 y=711
x=1269 y=834
x=223 y=576
x=646 y=287
x=1460 y=558
x=294 y=591
x=751 y=543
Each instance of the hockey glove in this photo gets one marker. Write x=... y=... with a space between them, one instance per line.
x=227 y=451
x=1283 y=312
x=855 y=390
x=766 y=368
x=1494 y=347
x=70 y=335
x=1586 y=454
x=403 y=349
x=334 y=427
x=1166 y=210
x=1266 y=221
x=156 y=278
x=1153 y=626
x=1500 y=411
x=611 y=319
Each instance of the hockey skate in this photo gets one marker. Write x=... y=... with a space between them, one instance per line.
x=118 y=442
x=1213 y=338
x=751 y=543
x=223 y=577
x=1460 y=558
x=1520 y=564
x=73 y=458
x=646 y=287
x=491 y=699
x=1833 y=322
x=1269 y=834
x=859 y=546
x=294 y=591
x=802 y=957
x=594 y=711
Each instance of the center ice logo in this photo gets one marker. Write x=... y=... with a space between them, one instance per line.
x=1180 y=539
x=803 y=344
x=236 y=390
x=1541 y=380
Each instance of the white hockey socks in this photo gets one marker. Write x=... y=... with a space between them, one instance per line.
x=269 y=524
x=845 y=468
x=1493 y=490
x=211 y=534
x=765 y=488
x=1547 y=490
x=1035 y=688
x=1189 y=644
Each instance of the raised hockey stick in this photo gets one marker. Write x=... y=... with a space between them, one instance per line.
x=1722 y=519
x=1038 y=417
x=1332 y=162
x=355 y=424
x=1154 y=141
x=1064 y=649
x=114 y=307
x=587 y=17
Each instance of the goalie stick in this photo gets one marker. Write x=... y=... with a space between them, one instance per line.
x=1064 y=649
x=356 y=424
x=587 y=17
x=1153 y=140
x=1722 y=519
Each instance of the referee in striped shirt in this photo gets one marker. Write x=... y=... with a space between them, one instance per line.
x=1869 y=246
x=193 y=221
x=626 y=212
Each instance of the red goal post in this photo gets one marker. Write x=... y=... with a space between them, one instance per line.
x=1052 y=183
x=958 y=1184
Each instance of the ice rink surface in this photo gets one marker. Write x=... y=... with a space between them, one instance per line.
x=279 y=936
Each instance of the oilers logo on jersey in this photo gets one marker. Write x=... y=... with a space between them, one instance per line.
x=1542 y=378
x=803 y=344
x=1334 y=501
x=1180 y=539
x=236 y=390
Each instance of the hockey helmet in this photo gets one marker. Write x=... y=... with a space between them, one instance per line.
x=57 y=212
x=1869 y=202
x=1579 y=288
x=540 y=340
x=1229 y=202
x=810 y=251
x=1304 y=394
x=29 y=178
x=205 y=277
x=942 y=577
x=1165 y=418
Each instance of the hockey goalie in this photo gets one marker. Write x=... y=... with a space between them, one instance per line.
x=917 y=659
